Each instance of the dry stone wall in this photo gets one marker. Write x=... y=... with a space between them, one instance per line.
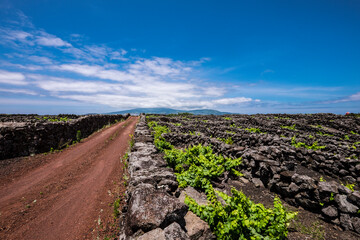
x=19 y=137
x=154 y=209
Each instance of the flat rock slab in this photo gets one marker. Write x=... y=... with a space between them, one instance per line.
x=150 y=209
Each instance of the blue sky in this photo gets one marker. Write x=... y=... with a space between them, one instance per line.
x=237 y=56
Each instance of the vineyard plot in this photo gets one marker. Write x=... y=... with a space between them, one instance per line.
x=310 y=161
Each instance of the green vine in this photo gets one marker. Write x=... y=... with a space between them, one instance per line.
x=239 y=218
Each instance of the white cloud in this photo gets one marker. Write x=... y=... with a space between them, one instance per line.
x=97 y=77
x=95 y=71
x=56 y=84
x=40 y=59
x=120 y=101
x=49 y=40
x=29 y=67
x=214 y=91
x=159 y=66
x=119 y=55
x=352 y=98
x=236 y=100
x=12 y=78
x=16 y=91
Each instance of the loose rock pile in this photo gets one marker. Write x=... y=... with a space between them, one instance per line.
x=21 y=137
x=153 y=209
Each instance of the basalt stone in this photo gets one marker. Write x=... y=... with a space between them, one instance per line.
x=293 y=188
x=356 y=223
x=304 y=201
x=286 y=176
x=157 y=234
x=350 y=179
x=345 y=221
x=257 y=182
x=152 y=176
x=328 y=187
x=344 y=205
x=355 y=198
x=304 y=181
x=149 y=209
x=196 y=228
x=343 y=172
x=175 y=232
x=168 y=184
x=344 y=190
x=330 y=212
x=357 y=167
x=199 y=197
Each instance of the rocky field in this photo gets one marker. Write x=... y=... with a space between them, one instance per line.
x=270 y=176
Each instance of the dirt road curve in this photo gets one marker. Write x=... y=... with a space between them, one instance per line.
x=65 y=195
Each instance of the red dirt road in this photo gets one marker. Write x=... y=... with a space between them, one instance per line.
x=63 y=195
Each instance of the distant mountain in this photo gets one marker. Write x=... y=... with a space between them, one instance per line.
x=137 y=111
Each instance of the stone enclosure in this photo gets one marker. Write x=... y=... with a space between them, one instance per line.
x=310 y=161
x=23 y=135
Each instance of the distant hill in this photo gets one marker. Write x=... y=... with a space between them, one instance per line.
x=137 y=111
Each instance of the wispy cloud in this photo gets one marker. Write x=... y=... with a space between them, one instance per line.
x=352 y=98
x=56 y=85
x=42 y=60
x=238 y=100
x=49 y=40
x=12 y=78
x=17 y=91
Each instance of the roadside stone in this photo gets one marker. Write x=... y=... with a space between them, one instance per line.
x=169 y=185
x=175 y=232
x=150 y=209
x=196 y=228
x=344 y=205
x=152 y=176
x=157 y=234
x=330 y=212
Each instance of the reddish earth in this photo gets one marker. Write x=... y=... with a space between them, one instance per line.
x=65 y=195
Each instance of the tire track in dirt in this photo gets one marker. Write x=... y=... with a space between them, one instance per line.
x=62 y=198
